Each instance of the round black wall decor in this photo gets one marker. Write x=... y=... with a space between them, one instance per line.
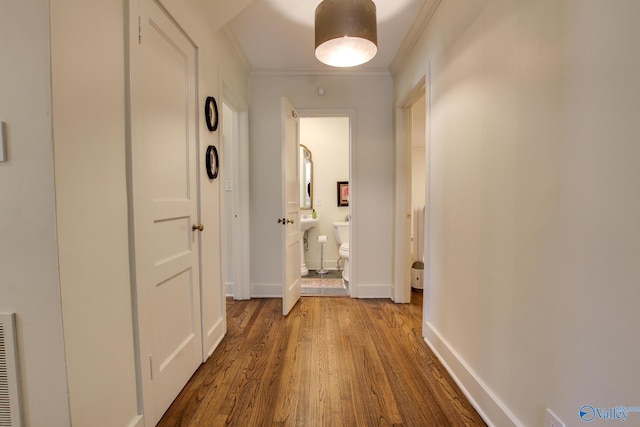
x=212 y=162
x=211 y=113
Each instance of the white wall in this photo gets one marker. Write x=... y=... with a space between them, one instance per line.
x=328 y=140
x=372 y=186
x=534 y=216
x=90 y=161
x=89 y=131
x=30 y=285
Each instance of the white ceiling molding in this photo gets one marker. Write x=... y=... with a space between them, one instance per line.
x=416 y=30
x=237 y=48
x=332 y=73
x=220 y=12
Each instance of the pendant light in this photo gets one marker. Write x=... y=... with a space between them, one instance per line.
x=346 y=32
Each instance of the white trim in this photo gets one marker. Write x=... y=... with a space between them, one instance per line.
x=132 y=11
x=372 y=291
x=353 y=185
x=138 y=421
x=401 y=286
x=424 y=16
x=418 y=90
x=228 y=289
x=266 y=290
x=237 y=48
x=426 y=293
x=354 y=291
x=241 y=288
x=243 y=257
x=333 y=73
x=492 y=410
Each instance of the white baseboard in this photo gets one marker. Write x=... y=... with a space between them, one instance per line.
x=490 y=408
x=265 y=290
x=333 y=268
x=138 y=421
x=374 y=291
x=229 y=289
x=328 y=264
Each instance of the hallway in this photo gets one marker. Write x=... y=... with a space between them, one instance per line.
x=331 y=362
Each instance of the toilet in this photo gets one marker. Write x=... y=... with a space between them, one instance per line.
x=341 y=233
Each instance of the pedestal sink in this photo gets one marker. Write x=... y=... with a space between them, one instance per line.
x=306 y=223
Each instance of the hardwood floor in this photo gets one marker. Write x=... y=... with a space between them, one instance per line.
x=331 y=362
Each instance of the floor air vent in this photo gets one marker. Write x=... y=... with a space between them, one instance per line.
x=9 y=404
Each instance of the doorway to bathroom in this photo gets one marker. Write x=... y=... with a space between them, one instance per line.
x=326 y=208
x=411 y=261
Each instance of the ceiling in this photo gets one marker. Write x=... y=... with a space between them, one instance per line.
x=278 y=35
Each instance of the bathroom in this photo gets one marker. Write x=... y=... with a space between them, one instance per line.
x=327 y=140
x=418 y=191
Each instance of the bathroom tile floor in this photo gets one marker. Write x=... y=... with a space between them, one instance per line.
x=331 y=274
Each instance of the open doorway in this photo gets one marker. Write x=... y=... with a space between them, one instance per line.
x=234 y=206
x=412 y=197
x=326 y=209
x=417 y=148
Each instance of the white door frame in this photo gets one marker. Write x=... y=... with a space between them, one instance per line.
x=401 y=287
x=353 y=185
x=240 y=177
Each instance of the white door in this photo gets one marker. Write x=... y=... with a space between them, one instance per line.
x=291 y=207
x=165 y=205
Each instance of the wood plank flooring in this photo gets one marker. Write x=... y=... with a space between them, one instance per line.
x=331 y=362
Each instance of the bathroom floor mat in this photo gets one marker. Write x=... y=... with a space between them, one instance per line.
x=317 y=283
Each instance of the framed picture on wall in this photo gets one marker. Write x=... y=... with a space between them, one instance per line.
x=343 y=193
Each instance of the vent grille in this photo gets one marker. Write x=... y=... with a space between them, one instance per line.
x=9 y=403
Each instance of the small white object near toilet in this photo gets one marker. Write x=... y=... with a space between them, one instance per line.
x=341 y=233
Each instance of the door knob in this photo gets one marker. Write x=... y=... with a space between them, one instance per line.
x=197 y=227
x=289 y=221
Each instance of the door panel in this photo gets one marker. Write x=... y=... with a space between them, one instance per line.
x=291 y=176
x=165 y=207
x=173 y=330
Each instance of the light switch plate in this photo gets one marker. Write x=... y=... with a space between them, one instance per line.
x=3 y=149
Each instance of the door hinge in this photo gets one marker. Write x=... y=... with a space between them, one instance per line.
x=139 y=30
x=151 y=366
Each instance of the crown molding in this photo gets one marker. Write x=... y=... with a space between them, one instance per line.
x=417 y=28
x=377 y=73
x=237 y=49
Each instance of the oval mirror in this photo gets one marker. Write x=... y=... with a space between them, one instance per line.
x=306 y=178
